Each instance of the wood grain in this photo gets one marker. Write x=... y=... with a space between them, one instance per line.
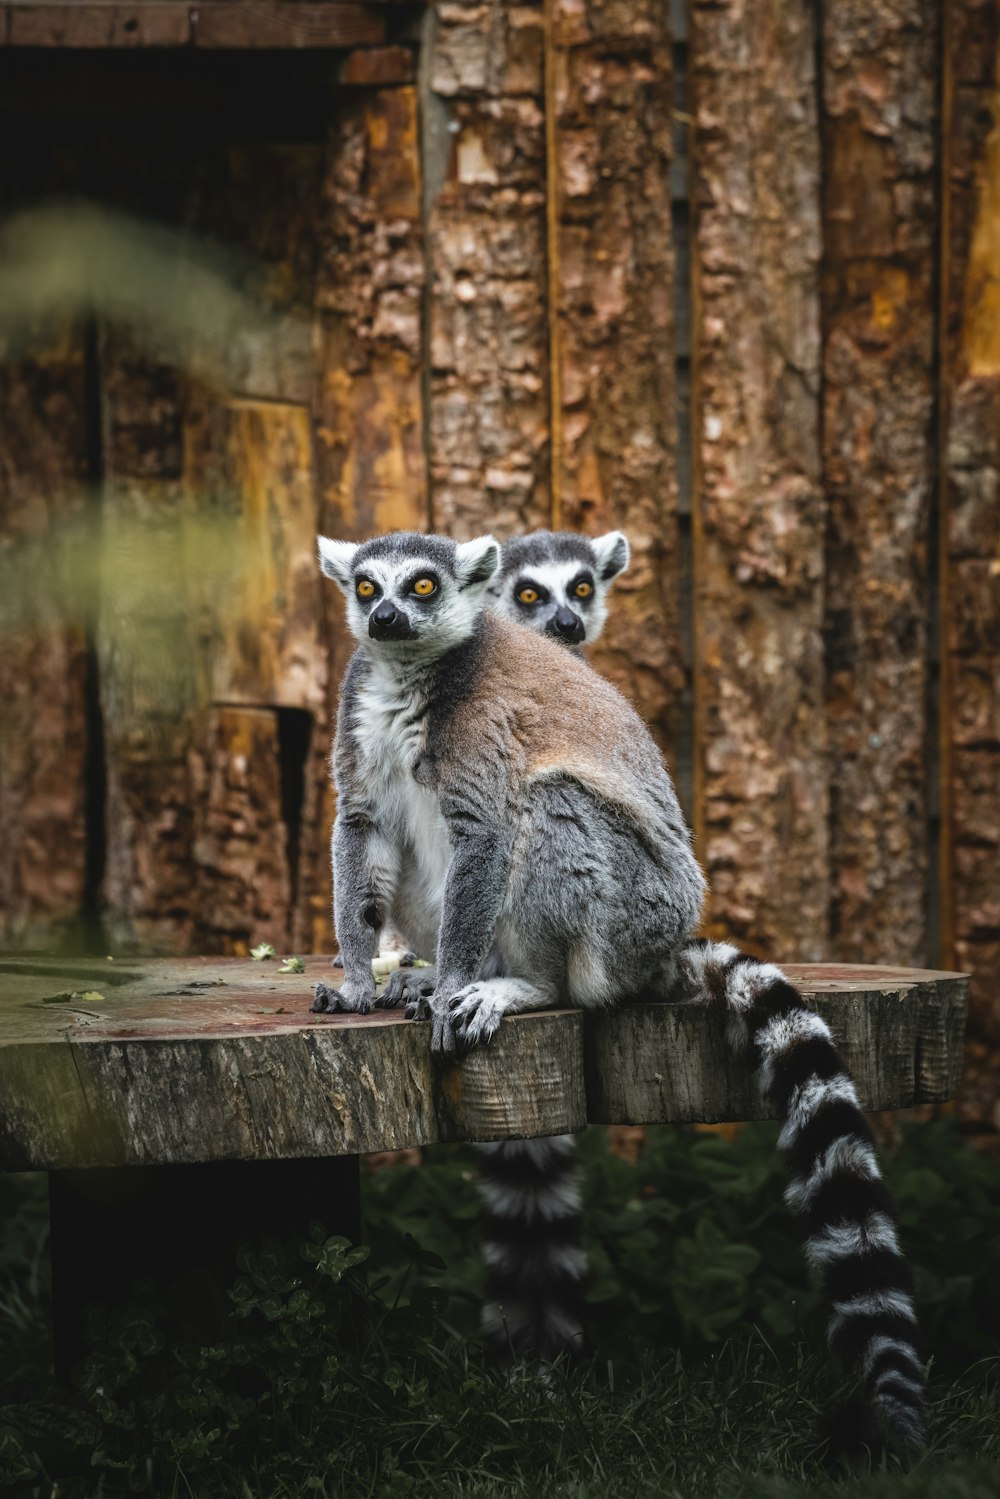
x=207 y=23
x=880 y=144
x=761 y=783
x=900 y=1031
x=970 y=536
x=485 y=184
x=612 y=275
x=43 y=663
x=214 y=1059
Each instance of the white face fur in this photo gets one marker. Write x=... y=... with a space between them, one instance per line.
x=558 y=583
x=411 y=597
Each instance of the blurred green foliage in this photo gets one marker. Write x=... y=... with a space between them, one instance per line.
x=354 y=1371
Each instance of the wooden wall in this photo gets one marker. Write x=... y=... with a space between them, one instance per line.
x=725 y=276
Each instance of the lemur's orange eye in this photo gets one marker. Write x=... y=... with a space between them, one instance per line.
x=424 y=587
x=583 y=590
x=365 y=588
x=528 y=595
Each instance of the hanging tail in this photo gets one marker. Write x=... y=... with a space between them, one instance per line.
x=534 y=1263
x=835 y=1188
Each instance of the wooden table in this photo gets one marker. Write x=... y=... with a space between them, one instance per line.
x=184 y=1106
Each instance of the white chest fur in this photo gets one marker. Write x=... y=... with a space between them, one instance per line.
x=390 y=732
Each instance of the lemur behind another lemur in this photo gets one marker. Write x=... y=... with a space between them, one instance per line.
x=555 y=582
x=500 y=800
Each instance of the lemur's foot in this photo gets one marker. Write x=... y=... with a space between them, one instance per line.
x=406 y=986
x=338 y=959
x=476 y=1013
x=477 y=1010
x=349 y=999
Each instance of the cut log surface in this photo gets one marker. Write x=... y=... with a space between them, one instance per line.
x=178 y=1061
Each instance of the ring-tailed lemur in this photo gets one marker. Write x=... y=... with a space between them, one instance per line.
x=506 y=805
x=555 y=582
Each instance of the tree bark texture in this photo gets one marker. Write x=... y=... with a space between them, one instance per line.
x=611 y=277
x=761 y=771
x=454 y=292
x=970 y=536
x=43 y=656
x=880 y=137
x=485 y=186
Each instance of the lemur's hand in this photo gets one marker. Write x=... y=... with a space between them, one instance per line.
x=427 y=1003
x=405 y=986
x=355 y=997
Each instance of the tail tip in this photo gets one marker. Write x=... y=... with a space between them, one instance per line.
x=859 y=1433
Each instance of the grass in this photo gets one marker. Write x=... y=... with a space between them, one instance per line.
x=354 y=1372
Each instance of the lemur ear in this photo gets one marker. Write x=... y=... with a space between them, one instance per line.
x=476 y=561
x=612 y=552
x=336 y=559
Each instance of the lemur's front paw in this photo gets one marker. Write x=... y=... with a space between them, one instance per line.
x=405 y=986
x=351 y=998
x=443 y=1034
x=338 y=959
x=476 y=1014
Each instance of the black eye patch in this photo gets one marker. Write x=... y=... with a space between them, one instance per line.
x=424 y=584
x=581 y=590
x=529 y=595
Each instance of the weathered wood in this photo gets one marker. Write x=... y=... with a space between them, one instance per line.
x=173 y=1065
x=263 y=635
x=207 y=23
x=219 y=1059
x=970 y=536
x=900 y=1030
x=616 y=436
x=761 y=787
x=144 y=23
x=148 y=680
x=240 y=850
x=250 y=23
x=378 y=67
x=485 y=189
x=43 y=665
x=879 y=223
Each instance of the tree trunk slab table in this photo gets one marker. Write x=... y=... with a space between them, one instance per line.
x=184 y=1106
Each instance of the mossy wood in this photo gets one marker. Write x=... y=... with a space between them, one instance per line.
x=156 y=1062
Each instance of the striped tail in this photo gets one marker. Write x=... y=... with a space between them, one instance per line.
x=534 y=1262
x=835 y=1190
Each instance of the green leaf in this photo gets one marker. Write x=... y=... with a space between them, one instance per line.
x=292 y=965
x=261 y=952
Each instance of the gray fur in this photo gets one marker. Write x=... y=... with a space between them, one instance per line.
x=494 y=839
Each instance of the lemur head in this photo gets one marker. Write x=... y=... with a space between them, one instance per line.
x=411 y=596
x=557 y=582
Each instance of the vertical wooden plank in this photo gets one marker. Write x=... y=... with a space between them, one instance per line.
x=615 y=430
x=369 y=413
x=249 y=475
x=43 y=669
x=147 y=668
x=485 y=174
x=263 y=634
x=970 y=536
x=240 y=849
x=879 y=309
x=759 y=521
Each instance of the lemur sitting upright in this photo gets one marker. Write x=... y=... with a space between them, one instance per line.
x=503 y=803
x=555 y=582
